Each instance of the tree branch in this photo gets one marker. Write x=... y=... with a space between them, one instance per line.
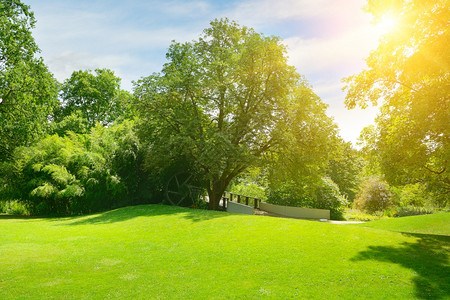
x=398 y=82
x=437 y=172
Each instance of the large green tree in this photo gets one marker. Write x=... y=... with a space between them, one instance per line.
x=27 y=90
x=409 y=74
x=96 y=97
x=221 y=102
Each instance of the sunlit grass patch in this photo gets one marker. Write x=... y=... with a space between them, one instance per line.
x=438 y=223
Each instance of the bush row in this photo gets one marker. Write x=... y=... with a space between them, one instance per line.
x=377 y=197
x=78 y=173
x=324 y=195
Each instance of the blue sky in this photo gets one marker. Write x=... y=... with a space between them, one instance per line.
x=326 y=39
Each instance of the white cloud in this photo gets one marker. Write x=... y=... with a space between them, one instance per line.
x=79 y=36
x=150 y=39
x=327 y=87
x=342 y=38
x=87 y=30
x=257 y=11
x=343 y=52
x=65 y=63
x=183 y=8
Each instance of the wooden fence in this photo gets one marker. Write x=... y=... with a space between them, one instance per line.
x=247 y=200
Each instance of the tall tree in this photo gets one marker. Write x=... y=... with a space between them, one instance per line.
x=220 y=102
x=96 y=97
x=27 y=90
x=308 y=142
x=409 y=74
x=299 y=164
x=345 y=168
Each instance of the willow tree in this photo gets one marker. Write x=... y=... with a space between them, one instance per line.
x=409 y=74
x=219 y=102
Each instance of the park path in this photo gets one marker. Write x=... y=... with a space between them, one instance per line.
x=267 y=214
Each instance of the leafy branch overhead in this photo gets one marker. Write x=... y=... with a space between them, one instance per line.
x=408 y=74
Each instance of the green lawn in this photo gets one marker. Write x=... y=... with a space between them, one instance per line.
x=428 y=224
x=151 y=252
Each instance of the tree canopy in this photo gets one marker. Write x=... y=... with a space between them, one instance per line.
x=222 y=102
x=28 y=92
x=409 y=75
x=95 y=97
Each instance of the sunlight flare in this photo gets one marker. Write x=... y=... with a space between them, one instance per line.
x=386 y=24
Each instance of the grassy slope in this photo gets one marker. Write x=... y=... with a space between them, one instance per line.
x=168 y=252
x=427 y=224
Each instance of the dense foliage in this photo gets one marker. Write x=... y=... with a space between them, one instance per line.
x=28 y=90
x=95 y=97
x=375 y=195
x=77 y=173
x=345 y=169
x=409 y=75
x=323 y=195
x=299 y=168
x=252 y=183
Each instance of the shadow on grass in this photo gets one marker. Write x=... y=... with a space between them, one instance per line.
x=131 y=212
x=6 y=217
x=428 y=257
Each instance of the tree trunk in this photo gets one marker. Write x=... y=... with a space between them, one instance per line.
x=215 y=194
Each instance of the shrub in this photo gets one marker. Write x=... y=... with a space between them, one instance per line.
x=410 y=210
x=13 y=207
x=324 y=195
x=329 y=197
x=374 y=196
x=290 y=194
x=78 y=173
x=42 y=177
x=413 y=195
x=357 y=215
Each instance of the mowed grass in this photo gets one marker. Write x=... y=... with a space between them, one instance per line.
x=162 y=252
x=438 y=223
